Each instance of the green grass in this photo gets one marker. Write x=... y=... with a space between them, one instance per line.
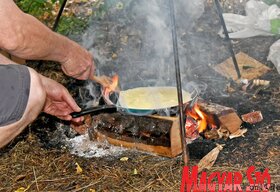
x=43 y=10
x=72 y=25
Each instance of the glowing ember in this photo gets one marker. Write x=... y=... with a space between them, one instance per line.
x=191 y=129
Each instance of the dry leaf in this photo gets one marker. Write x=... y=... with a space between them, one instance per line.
x=22 y=189
x=238 y=133
x=208 y=160
x=124 y=159
x=92 y=190
x=114 y=56
x=135 y=172
x=79 y=170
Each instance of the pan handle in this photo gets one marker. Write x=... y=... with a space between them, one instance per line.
x=94 y=110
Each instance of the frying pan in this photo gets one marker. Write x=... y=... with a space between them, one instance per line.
x=114 y=105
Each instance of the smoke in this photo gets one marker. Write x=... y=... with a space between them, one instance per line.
x=133 y=38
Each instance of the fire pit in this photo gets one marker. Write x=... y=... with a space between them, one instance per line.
x=141 y=125
x=160 y=134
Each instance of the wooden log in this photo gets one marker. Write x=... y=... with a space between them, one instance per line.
x=225 y=117
x=171 y=149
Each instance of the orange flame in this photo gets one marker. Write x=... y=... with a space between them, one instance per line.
x=115 y=82
x=202 y=123
x=111 y=88
x=199 y=116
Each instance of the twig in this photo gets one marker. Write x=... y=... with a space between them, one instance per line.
x=130 y=184
x=53 y=180
x=35 y=179
x=171 y=171
x=160 y=180
x=89 y=185
x=147 y=186
x=271 y=133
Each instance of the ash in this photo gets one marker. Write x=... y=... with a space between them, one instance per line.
x=83 y=147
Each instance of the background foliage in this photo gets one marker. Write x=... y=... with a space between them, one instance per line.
x=46 y=11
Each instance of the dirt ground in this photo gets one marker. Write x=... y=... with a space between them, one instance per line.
x=35 y=162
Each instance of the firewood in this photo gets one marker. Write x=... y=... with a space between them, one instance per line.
x=239 y=133
x=253 y=117
x=155 y=134
x=82 y=127
x=208 y=160
x=224 y=116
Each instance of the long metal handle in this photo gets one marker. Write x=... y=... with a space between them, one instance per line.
x=94 y=110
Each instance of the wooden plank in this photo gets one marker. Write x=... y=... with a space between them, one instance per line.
x=249 y=67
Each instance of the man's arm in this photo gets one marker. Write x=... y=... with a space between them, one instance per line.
x=24 y=36
x=58 y=101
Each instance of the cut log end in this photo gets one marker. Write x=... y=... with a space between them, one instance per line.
x=226 y=116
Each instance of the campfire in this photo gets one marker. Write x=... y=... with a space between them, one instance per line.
x=161 y=134
x=155 y=132
x=211 y=121
x=197 y=122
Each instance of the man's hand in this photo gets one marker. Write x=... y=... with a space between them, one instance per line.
x=78 y=63
x=59 y=102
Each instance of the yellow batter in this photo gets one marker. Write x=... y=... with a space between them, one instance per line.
x=151 y=97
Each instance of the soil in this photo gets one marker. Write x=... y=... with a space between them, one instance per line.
x=38 y=159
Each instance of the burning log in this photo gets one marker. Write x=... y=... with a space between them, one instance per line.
x=212 y=120
x=156 y=134
x=82 y=127
x=223 y=116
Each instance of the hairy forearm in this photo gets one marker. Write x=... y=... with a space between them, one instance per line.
x=26 y=37
x=36 y=41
